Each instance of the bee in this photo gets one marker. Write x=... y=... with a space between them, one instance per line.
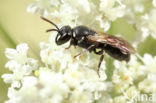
x=93 y=41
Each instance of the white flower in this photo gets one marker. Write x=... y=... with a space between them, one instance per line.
x=29 y=81
x=133 y=7
x=53 y=85
x=79 y=96
x=27 y=93
x=154 y=3
x=148 y=84
x=19 y=60
x=8 y=78
x=132 y=93
x=112 y=9
x=19 y=54
x=122 y=77
x=143 y=74
x=73 y=77
x=103 y=23
x=66 y=14
x=43 y=6
x=147 y=23
x=19 y=64
x=119 y=99
x=150 y=63
x=13 y=79
x=54 y=54
x=84 y=4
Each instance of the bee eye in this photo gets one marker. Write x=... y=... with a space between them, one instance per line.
x=61 y=39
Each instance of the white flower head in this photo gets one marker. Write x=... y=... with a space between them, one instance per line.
x=66 y=14
x=154 y=3
x=150 y=63
x=132 y=93
x=81 y=97
x=27 y=93
x=43 y=6
x=20 y=65
x=20 y=52
x=55 y=83
x=119 y=99
x=84 y=4
x=148 y=84
x=146 y=24
x=112 y=9
x=19 y=60
x=103 y=23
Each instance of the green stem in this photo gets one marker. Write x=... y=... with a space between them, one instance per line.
x=7 y=36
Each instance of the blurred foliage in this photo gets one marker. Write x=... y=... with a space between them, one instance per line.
x=109 y=68
x=6 y=41
x=18 y=26
x=120 y=26
x=148 y=46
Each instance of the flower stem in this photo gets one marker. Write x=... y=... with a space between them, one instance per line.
x=7 y=36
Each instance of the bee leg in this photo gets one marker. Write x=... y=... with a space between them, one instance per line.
x=90 y=48
x=101 y=59
x=77 y=55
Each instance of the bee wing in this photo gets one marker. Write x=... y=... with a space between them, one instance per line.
x=114 y=41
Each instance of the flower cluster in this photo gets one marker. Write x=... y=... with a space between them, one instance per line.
x=135 y=78
x=65 y=79
x=19 y=64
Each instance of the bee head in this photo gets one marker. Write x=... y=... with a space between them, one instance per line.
x=64 y=34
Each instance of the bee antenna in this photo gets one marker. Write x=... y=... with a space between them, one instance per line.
x=50 y=23
x=52 y=30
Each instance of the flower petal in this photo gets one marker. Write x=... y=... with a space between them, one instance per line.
x=22 y=48
x=10 y=53
x=8 y=78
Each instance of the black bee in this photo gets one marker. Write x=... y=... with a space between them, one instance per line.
x=93 y=41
